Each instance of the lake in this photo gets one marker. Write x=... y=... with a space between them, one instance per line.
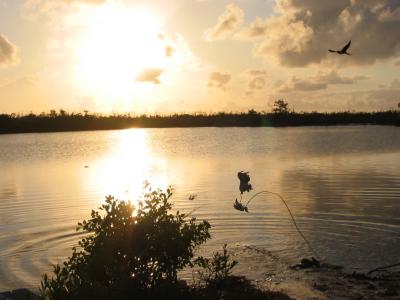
x=342 y=184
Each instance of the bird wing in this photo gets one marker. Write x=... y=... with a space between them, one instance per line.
x=333 y=51
x=346 y=47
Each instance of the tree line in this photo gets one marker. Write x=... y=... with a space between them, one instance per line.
x=62 y=120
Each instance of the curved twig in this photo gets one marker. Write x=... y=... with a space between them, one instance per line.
x=291 y=215
x=383 y=268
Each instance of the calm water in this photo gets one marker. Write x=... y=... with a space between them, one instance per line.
x=342 y=184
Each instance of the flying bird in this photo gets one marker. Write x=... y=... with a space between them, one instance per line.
x=343 y=51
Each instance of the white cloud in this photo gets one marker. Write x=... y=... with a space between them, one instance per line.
x=53 y=9
x=218 y=80
x=150 y=75
x=169 y=51
x=227 y=23
x=8 y=51
x=256 y=80
x=320 y=81
x=301 y=31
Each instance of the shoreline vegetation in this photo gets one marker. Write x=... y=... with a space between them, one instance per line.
x=137 y=252
x=58 y=121
x=126 y=255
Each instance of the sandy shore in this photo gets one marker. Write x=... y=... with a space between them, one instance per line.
x=325 y=282
x=316 y=283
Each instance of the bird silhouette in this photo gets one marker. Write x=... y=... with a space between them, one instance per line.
x=343 y=51
x=244 y=178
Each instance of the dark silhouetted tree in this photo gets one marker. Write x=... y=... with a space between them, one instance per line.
x=280 y=107
x=128 y=253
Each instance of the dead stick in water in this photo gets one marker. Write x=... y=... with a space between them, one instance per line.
x=383 y=268
x=291 y=215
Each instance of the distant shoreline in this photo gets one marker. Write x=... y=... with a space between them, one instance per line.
x=63 y=121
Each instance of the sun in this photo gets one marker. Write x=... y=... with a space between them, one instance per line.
x=117 y=43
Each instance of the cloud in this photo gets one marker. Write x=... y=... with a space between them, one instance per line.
x=33 y=9
x=330 y=101
x=301 y=31
x=256 y=73
x=334 y=78
x=256 y=29
x=257 y=80
x=218 y=80
x=320 y=81
x=296 y=84
x=227 y=23
x=169 y=50
x=369 y=100
x=180 y=54
x=39 y=3
x=51 y=6
x=8 y=51
x=150 y=75
x=86 y=1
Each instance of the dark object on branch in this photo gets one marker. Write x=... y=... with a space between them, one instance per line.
x=244 y=178
x=239 y=206
x=343 y=51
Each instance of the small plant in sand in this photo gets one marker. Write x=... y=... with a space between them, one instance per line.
x=217 y=269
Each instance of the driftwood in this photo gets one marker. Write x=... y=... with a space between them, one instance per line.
x=291 y=216
x=383 y=268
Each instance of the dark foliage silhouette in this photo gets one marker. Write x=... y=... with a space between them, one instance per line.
x=128 y=252
x=218 y=269
x=133 y=253
x=280 y=107
x=281 y=116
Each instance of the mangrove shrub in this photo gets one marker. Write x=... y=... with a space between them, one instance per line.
x=128 y=252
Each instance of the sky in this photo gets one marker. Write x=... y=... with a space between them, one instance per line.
x=190 y=56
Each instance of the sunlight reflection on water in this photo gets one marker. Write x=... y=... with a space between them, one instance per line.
x=123 y=172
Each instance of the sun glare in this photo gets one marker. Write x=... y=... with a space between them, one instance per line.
x=117 y=44
x=129 y=164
